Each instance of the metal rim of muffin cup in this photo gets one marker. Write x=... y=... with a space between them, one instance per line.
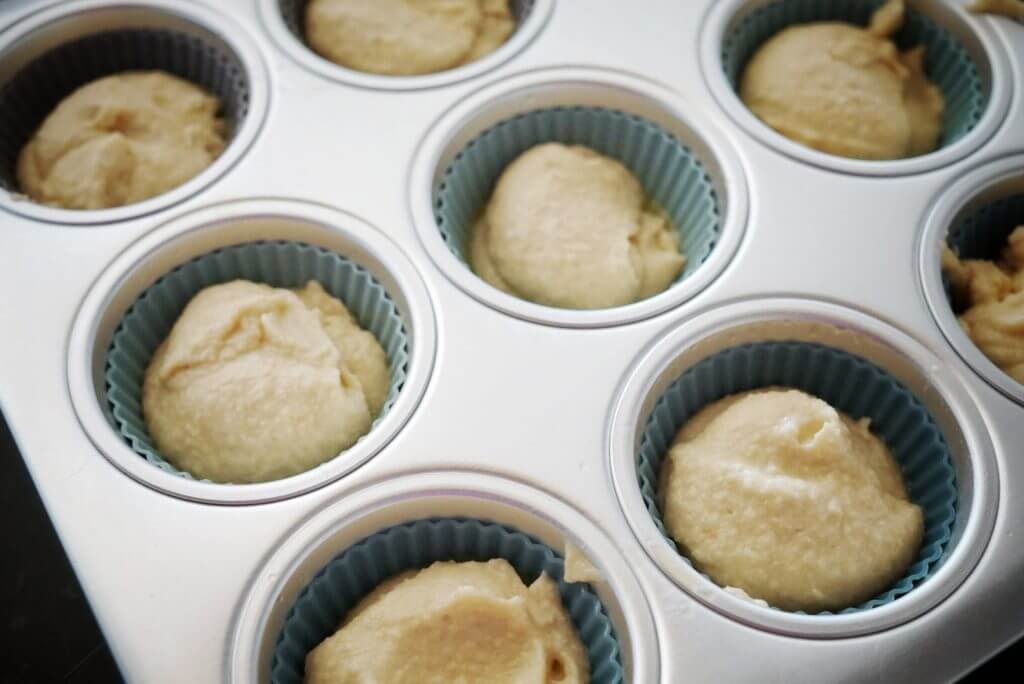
x=988 y=183
x=977 y=37
x=203 y=231
x=937 y=386
x=304 y=550
x=527 y=29
x=575 y=87
x=44 y=30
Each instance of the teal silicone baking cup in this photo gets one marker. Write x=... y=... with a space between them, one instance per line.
x=280 y=264
x=850 y=384
x=947 y=63
x=669 y=172
x=322 y=604
x=983 y=232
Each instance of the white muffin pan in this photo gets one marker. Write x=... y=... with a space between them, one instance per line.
x=513 y=412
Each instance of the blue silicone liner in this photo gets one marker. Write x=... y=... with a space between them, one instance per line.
x=947 y=63
x=322 y=604
x=280 y=264
x=668 y=171
x=983 y=233
x=850 y=384
x=35 y=90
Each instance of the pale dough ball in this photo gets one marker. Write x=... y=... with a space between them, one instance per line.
x=256 y=383
x=407 y=37
x=571 y=228
x=121 y=139
x=993 y=294
x=777 y=494
x=454 y=622
x=845 y=90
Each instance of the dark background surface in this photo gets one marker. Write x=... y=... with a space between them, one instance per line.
x=48 y=633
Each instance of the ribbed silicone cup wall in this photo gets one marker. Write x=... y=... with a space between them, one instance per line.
x=947 y=63
x=983 y=233
x=668 y=171
x=36 y=90
x=322 y=604
x=850 y=384
x=294 y=14
x=280 y=264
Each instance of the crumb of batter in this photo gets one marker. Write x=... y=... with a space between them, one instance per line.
x=990 y=298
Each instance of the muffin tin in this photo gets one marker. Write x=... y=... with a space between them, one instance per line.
x=513 y=415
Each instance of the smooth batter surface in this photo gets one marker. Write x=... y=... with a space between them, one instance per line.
x=121 y=139
x=845 y=90
x=256 y=383
x=407 y=37
x=454 y=622
x=779 y=495
x=992 y=294
x=571 y=228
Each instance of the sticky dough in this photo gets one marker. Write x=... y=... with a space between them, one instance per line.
x=407 y=37
x=845 y=90
x=121 y=139
x=992 y=294
x=777 y=494
x=256 y=383
x=571 y=228
x=454 y=622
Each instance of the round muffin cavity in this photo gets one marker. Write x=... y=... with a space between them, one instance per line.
x=983 y=264
x=775 y=493
x=845 y=90
x=569 y=227
x=469 y=621
x=256 y=383
x=783 y=471
x=121 y=139
x=169 y=126
x=411 y=576
x=407 y=37
x=251 y=334
x=952 y=61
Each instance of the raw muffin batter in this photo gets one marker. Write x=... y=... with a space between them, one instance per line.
x=121 y=139
x=256 y=383
x=777 y=494
x=992 y=295
x=845 y=90
x=454 y=622
x=407 y=37
x=569 y=227
x=1014 y=9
